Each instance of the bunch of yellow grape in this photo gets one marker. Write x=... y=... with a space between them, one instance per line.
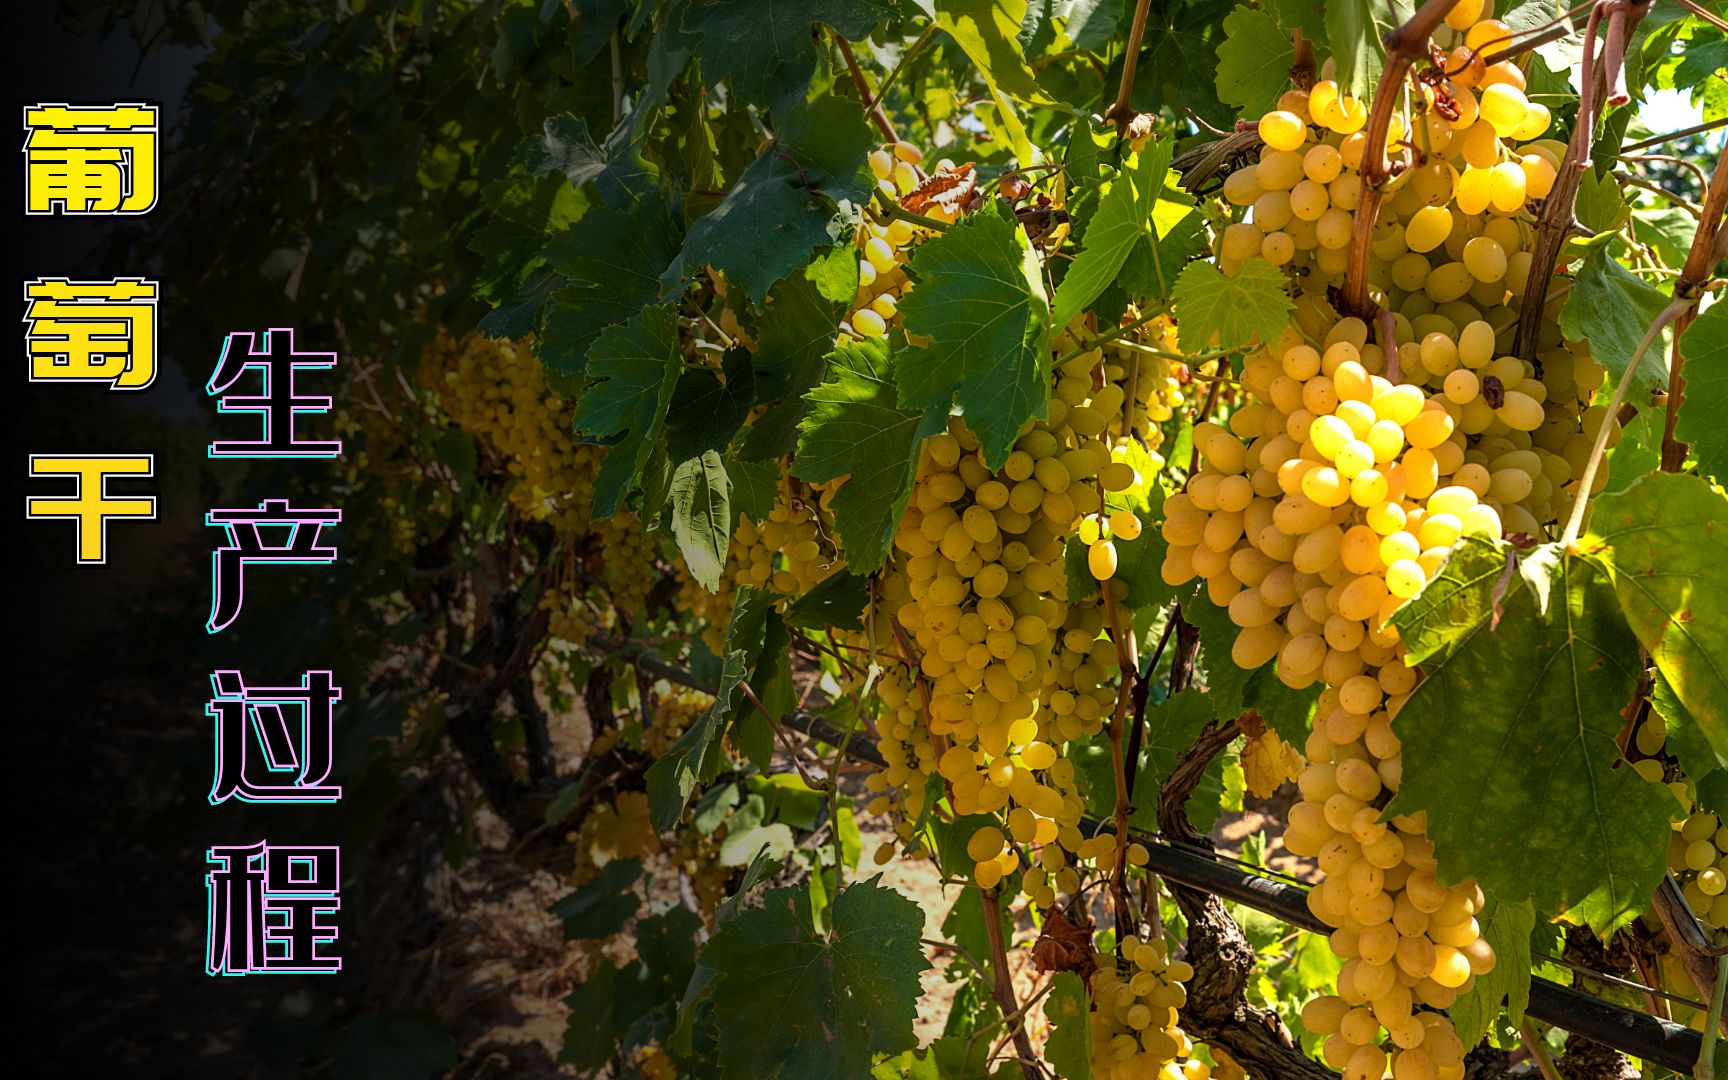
x=787 y=555
x=1012 y=669
x=1341 y=484
x=618 y=828
x=497 y=391
x=1698 y=858
x=885 y=246
x=1134 y=1027
x=675 y=709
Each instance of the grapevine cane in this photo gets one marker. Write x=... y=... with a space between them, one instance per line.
x=1122 y=110
x=872 y=101
x=1706 y=1069
x=1692 y=278
x=1002 y=988
x=1404 y=46
x=1705 y=253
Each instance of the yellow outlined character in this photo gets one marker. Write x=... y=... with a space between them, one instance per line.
x=90 y=159
x=90 y=506
x=92 y=331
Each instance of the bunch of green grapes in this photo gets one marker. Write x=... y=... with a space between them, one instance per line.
x=885 y=246
x=1698 y=849
x=1012 y=670
x=1140 y=362
x=616 y=828
x=787 y=555
x=496 y=390
x=1698 y=858
x=1340 y=485
x=1134 y=1028
x=675 y=709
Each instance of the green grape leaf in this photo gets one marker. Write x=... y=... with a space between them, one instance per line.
x=1667 y=229
x=1509 y=747
x=1178 y=234
x=1686 y=741
x=1705 y=344
x=838 y=600
x=792 y=1003
x=1638 y=452
x=702 y=517
x=793 y=340
x=614 y=259
x=524 y=211
x=706 y=409
x=1232 y=690
x=1600 y=207
x=783 y=206
x=1254 y=59
x=1069 y=1049
x=1093 y=24
x=636 y=367
x=767 y=52
x=1666 y=540
x=755 y=486
x=855 y=429
x=603 y=906
x=699 y=755
x=1177 y=61
x=1115 y=227
x=1131 y=215
x=1355 y=41
x=1455 y=602
x=980 y=300
x=1612 y=308
x=616 y=169
x=1218 y=312
x=949 y=1058
x=1307 y=14
x=1507 y=928
x=988 y=31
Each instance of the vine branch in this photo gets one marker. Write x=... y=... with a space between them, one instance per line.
x=1405 y=45
x=872 y=103
x=1122 y=111
x=1002 y=986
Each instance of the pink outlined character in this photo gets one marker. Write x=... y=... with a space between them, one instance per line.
x=297 y=751
x=245 y=529
x=278 y=403
x=272 y=910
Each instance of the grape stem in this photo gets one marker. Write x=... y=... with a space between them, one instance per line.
x=1405 y=45
x=1301 y=60
x=1127 y=926
x=1122 y=111
x=894 y=210
x=1002 y=986
x=1706 y=1069
x=1575 y=521
x=871 y=100
x=1560 y=205
x=1538 y=1050
x=1112 y=335
x=1658 y=140
x=1708 y=248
